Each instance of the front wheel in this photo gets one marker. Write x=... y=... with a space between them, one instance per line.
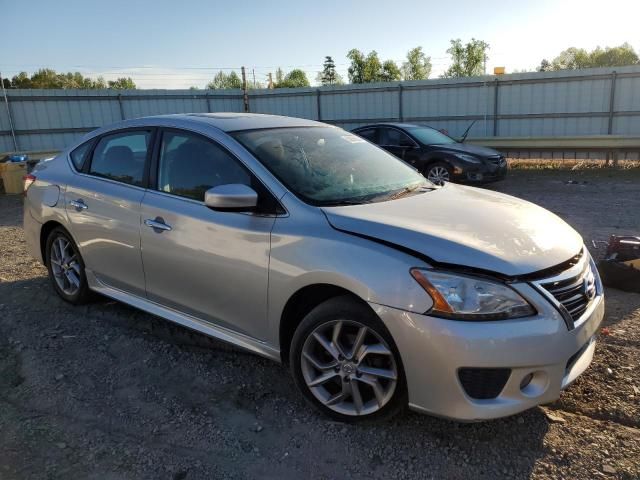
x=438 y=173
x=346 y=364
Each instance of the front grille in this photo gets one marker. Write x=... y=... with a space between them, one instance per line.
x=574 y=294
x=483 y=383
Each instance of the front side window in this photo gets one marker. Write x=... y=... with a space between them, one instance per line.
x=395 y=138
x=431 y=136
x=79 y=155
x=190 y=165
x=328 y=166
x=121 y=157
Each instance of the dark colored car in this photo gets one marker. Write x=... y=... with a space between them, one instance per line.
x=437 y=156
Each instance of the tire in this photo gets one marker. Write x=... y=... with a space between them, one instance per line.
x=350 y=372
x=69 y=266
x=437 y=170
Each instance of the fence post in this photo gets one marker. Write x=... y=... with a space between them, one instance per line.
x=121 y=107
x=6 y=103
x=208 y=99
x=400 y=109
x=318 y=105
x=495 y=109
x=612 y=99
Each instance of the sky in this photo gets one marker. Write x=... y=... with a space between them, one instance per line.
x=178 y=44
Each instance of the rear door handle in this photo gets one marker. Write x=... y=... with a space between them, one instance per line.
x=78 y=204
x=157 y=224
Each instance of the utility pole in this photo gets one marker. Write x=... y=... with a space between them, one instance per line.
x=6 y=103
x=245 y=96
x=253 y=72
x=485 y=63
x=270 y=81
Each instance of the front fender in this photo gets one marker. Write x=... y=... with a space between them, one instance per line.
x=304 y=255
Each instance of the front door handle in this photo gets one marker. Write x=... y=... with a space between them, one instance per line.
x=78 y=204
x=157 y=224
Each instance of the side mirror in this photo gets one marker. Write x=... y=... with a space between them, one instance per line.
x=231 y=197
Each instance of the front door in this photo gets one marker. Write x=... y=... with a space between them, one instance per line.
x=103 y=206
x=209 y=264
x=399 y=144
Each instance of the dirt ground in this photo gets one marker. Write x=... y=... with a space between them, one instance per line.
x=108 y=392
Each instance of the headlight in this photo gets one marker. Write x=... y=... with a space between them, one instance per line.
x=470 y=298
x=468 y=158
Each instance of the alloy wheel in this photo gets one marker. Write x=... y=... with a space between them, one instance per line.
x=65 y=266
x=438 y=175
x=349 y=368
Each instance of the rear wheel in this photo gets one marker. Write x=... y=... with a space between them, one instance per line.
x=346 y=364
x=66 y=267
x=438 y=173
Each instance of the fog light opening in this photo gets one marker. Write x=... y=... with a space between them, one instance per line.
x=534 y=384
x=526 y=381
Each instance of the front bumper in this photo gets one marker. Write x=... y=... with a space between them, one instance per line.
x=433 y=350
x=480 y=175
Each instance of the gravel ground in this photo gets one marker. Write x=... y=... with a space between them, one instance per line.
x=105 y=391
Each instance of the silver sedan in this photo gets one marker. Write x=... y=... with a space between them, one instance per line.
x=309 y=245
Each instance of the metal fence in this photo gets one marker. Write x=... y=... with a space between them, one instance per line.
x=550 y=104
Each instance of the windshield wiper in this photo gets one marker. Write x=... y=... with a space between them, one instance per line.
x=406 y=191
x=340 y=203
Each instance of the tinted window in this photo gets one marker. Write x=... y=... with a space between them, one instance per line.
x=369 y=134
x=121 y=157
x=395 y=138
x=79 y=155
x=430 y=136
x=190 y=165
x=328 y=166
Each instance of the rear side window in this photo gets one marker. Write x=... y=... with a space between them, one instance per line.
x=79 y=155
x=190 y=165
x=121 y=157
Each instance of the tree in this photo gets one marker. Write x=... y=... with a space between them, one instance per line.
x=329 y=76
x=545 y=66
x=614 y=57
x=49 y=78
x=225 y=81
x=370 y=69
x=356 y=70
x=22 y=80
x=390 y=72
x=575 y=58
x=417 y=66
x=279 y=77
x=467 y=60
x=123 y=83
x=294 y=79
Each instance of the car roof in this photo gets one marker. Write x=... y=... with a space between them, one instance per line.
x=231 y=122
x=392 y=124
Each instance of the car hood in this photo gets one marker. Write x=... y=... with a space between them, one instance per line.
x=466 y=226
x=468 y=148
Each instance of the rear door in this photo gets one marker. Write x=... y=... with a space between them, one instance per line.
x=210 y=264
x=103 y=206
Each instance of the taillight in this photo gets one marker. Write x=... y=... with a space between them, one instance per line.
x=28 y=181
